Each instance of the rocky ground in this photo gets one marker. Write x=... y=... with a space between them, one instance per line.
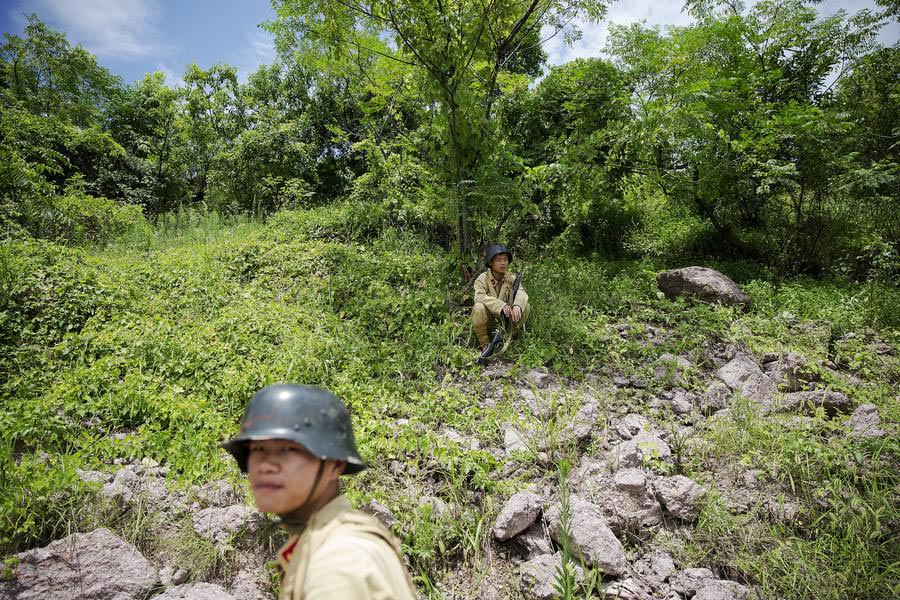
x=619 y=507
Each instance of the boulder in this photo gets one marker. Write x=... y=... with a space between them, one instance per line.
x=539 y=576
x=630 y=425
x=537 y=378
x=514 y=440
x=743 y=375
x=537 y=406
x=680 y=496
x=716 y=397
x=640 y=448
x=670 y=369
x=624 y=589
x=581 y=427
x=380 y=512
x=196 y=591
x=682 y=401
x=833 y=402
x=702 y=283
x=219 y=525
x=632 y=481
x=517 y=515
x=864 y=422
x=687 y=581
x=625 y=499
x=721 y=589
x=787 y=371
x=534 y=541
x=656 y=566
x=84 y=566
x=592 y=539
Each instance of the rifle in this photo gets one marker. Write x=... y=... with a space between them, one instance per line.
x=498 y=334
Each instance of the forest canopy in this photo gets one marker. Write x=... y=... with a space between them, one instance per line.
x=766 y=132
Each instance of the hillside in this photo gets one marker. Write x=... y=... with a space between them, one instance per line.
x=123 y=368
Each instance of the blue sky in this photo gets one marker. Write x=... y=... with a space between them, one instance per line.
x=133 y=37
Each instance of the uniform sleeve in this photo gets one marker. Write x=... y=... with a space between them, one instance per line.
x=357 y=568
x=495 y=305
x=521 y=297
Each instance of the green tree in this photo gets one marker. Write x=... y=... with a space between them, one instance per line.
x=733 y=120
x=462 y=55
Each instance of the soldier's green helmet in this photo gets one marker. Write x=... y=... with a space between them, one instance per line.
x=307 y=415
x=495 y=249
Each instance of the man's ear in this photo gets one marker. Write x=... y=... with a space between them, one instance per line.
x=335 y=468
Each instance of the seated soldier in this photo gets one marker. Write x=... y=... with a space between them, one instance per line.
x=295 y=441
x=492 y=296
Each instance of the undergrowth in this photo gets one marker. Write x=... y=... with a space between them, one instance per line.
x=150 y=347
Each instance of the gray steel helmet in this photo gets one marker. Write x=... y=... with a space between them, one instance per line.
x=495 y=249
x=307 y=415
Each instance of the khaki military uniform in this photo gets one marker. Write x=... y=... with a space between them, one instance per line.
x=343 y=554
x=491 y=296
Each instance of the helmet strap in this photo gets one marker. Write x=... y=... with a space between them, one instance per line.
x=295 y=521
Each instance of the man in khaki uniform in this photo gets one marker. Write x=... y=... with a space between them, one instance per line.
x=294 y=444
x=492 y=296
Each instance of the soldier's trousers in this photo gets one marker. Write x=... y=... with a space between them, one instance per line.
x=483 y=322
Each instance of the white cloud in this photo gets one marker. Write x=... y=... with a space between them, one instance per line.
x=663 y=14
x=111 y=29
x=260 y=50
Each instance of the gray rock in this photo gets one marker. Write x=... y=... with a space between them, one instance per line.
x=670 y=369
x=581 y=427
x=196 y=591
x=742 y=374
x=833 y=402
x=687 y=581
x=93 y=476
x=496 y=371
x=219 y=525
x=517 y=515
x=627 y=503
x=380 y=512
x=457 y=438
x=864 y=422
x=625 y=589
x=252 y=584
x=702 y=283
x=716 y=397
x=539 y=379
x=722 y=589
x=534 y=541
x=539 y=576
x=638 y=383
x=439 y=508
x=538 y=406
x=620 y=381
x=655 y=567
x=681 y=497
x=787 y=371
x=513 y=440
x=84 y=566
x=630 y=425
x=631 y=480
x=217 y=493
x=592 y=539
x=640 y=448
x=682 y=401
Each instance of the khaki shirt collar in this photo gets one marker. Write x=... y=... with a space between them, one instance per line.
x=322 y=517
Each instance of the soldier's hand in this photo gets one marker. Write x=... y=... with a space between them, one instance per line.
x=507 y=311
x=516 y=314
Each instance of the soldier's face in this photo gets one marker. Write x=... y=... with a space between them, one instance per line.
x=282 y=474
x=499 y=263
